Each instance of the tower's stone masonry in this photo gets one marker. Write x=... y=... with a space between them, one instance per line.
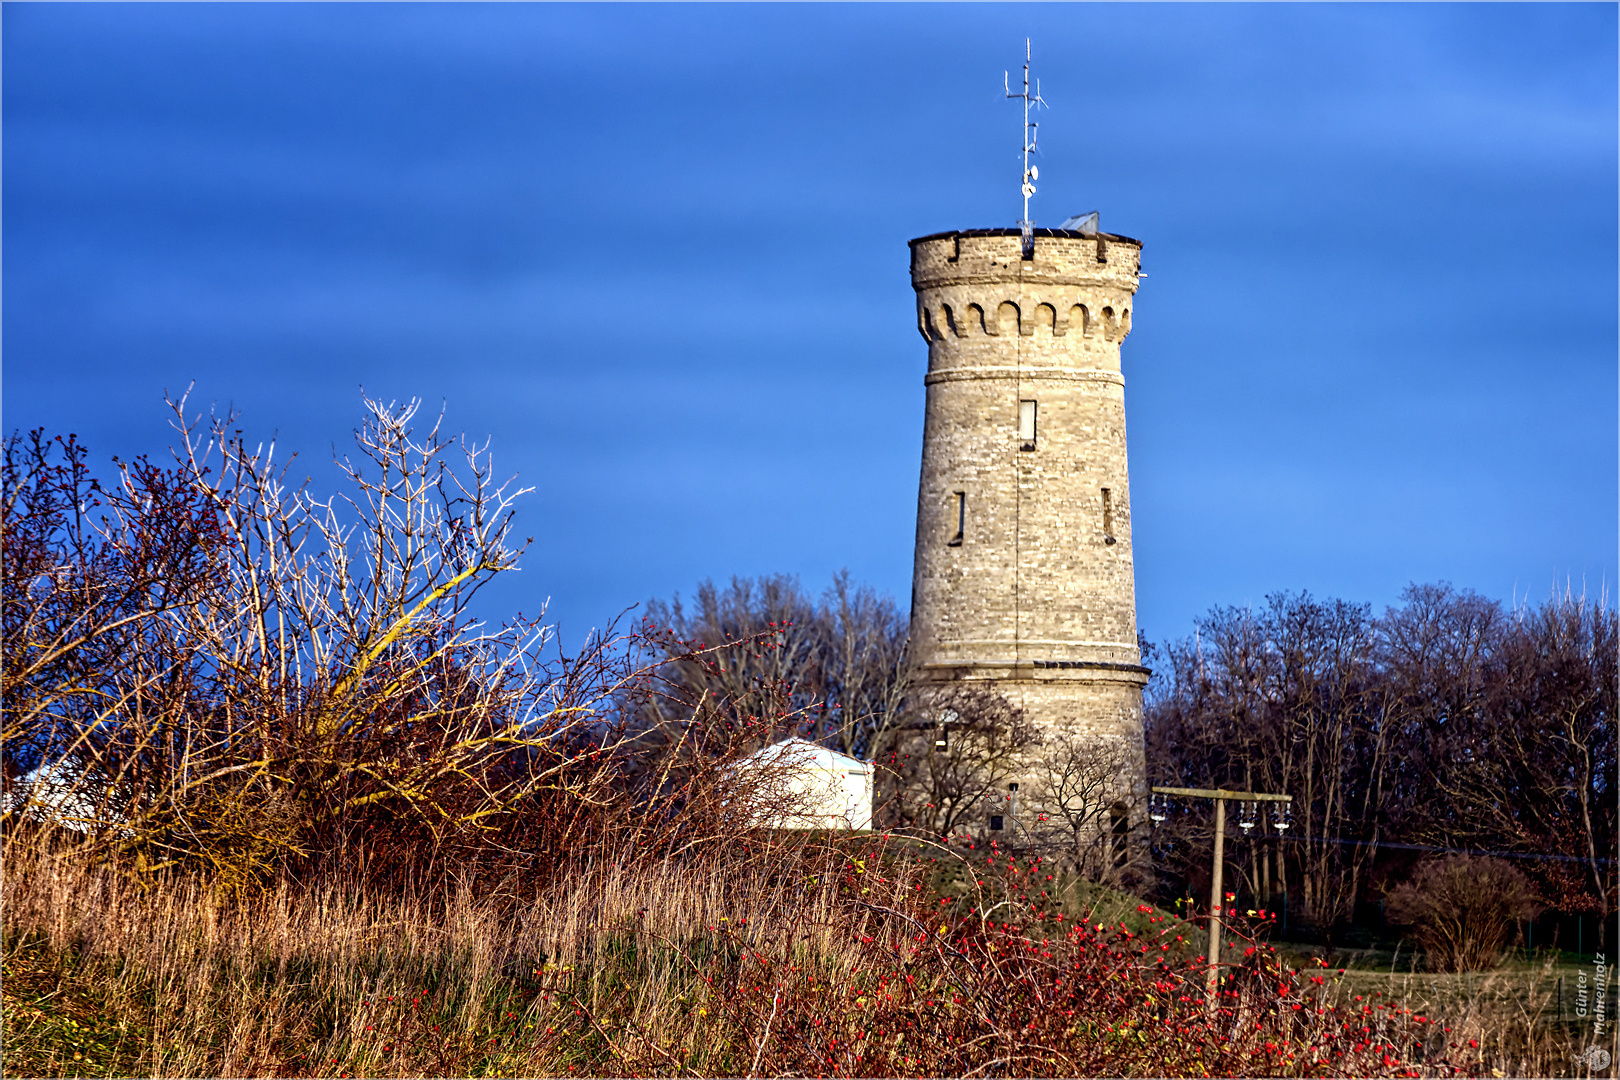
x=1023 y=580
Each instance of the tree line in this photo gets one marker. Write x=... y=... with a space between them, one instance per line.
x=1448 y=723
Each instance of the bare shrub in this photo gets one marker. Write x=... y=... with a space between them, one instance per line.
x=210 y=669
x=1463 y=910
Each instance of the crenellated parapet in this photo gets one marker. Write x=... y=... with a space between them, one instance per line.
x=1070 y=301
x=975 y=256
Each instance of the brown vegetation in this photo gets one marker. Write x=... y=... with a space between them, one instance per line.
x=1464 y=912
x=1447 y=724
x=276 y=802
x=210 y=671
x=840 y=660
x=805 y=958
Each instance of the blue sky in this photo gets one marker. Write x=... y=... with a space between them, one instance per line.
x=658 y=255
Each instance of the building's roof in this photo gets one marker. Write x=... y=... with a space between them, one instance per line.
x=1063 y=234
x=806 y=754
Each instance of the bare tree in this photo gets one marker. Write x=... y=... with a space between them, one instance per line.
x=1330 y=747
x=965 y=745
x=871 y=671
x=1079 y=814
x=1282 y=700
x=1444 y=724
x=1529 y=766
x=841 y=662
x=1436 y=650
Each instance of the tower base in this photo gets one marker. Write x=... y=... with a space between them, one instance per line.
x=1047 y=759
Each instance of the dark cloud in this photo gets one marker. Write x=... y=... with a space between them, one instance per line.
x=658 y=254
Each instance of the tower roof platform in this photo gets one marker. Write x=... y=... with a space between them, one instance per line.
x=1061 y=234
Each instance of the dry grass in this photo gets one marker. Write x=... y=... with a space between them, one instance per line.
x=332 y=980
x=805 y=957
x=1509 y=1017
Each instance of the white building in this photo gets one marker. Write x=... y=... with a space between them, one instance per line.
x=826 y=789
x=61 y=795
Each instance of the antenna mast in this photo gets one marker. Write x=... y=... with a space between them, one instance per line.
x=1031 y=173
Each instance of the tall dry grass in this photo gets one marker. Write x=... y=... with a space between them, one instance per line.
x=331 y=979
x=805 y=957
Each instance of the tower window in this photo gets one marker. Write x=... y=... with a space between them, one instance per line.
x=961 y=519
x=1026 y=425
x=996 y=823
x=1108 y=516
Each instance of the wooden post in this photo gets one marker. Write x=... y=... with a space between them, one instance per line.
x=1212 y=980
x=1261 y=843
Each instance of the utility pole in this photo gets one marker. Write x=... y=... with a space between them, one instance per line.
x=1216 y=894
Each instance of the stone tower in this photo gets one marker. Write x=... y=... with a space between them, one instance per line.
x=1023 y=580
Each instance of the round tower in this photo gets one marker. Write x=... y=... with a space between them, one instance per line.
x=1023 y=580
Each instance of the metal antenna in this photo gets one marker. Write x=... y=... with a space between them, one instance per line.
x=1031 y=129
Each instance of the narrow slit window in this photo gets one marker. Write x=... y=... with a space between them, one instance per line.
x=1026 y=425
x=961 y=519
x=1108 y=516
x=1121 y=833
